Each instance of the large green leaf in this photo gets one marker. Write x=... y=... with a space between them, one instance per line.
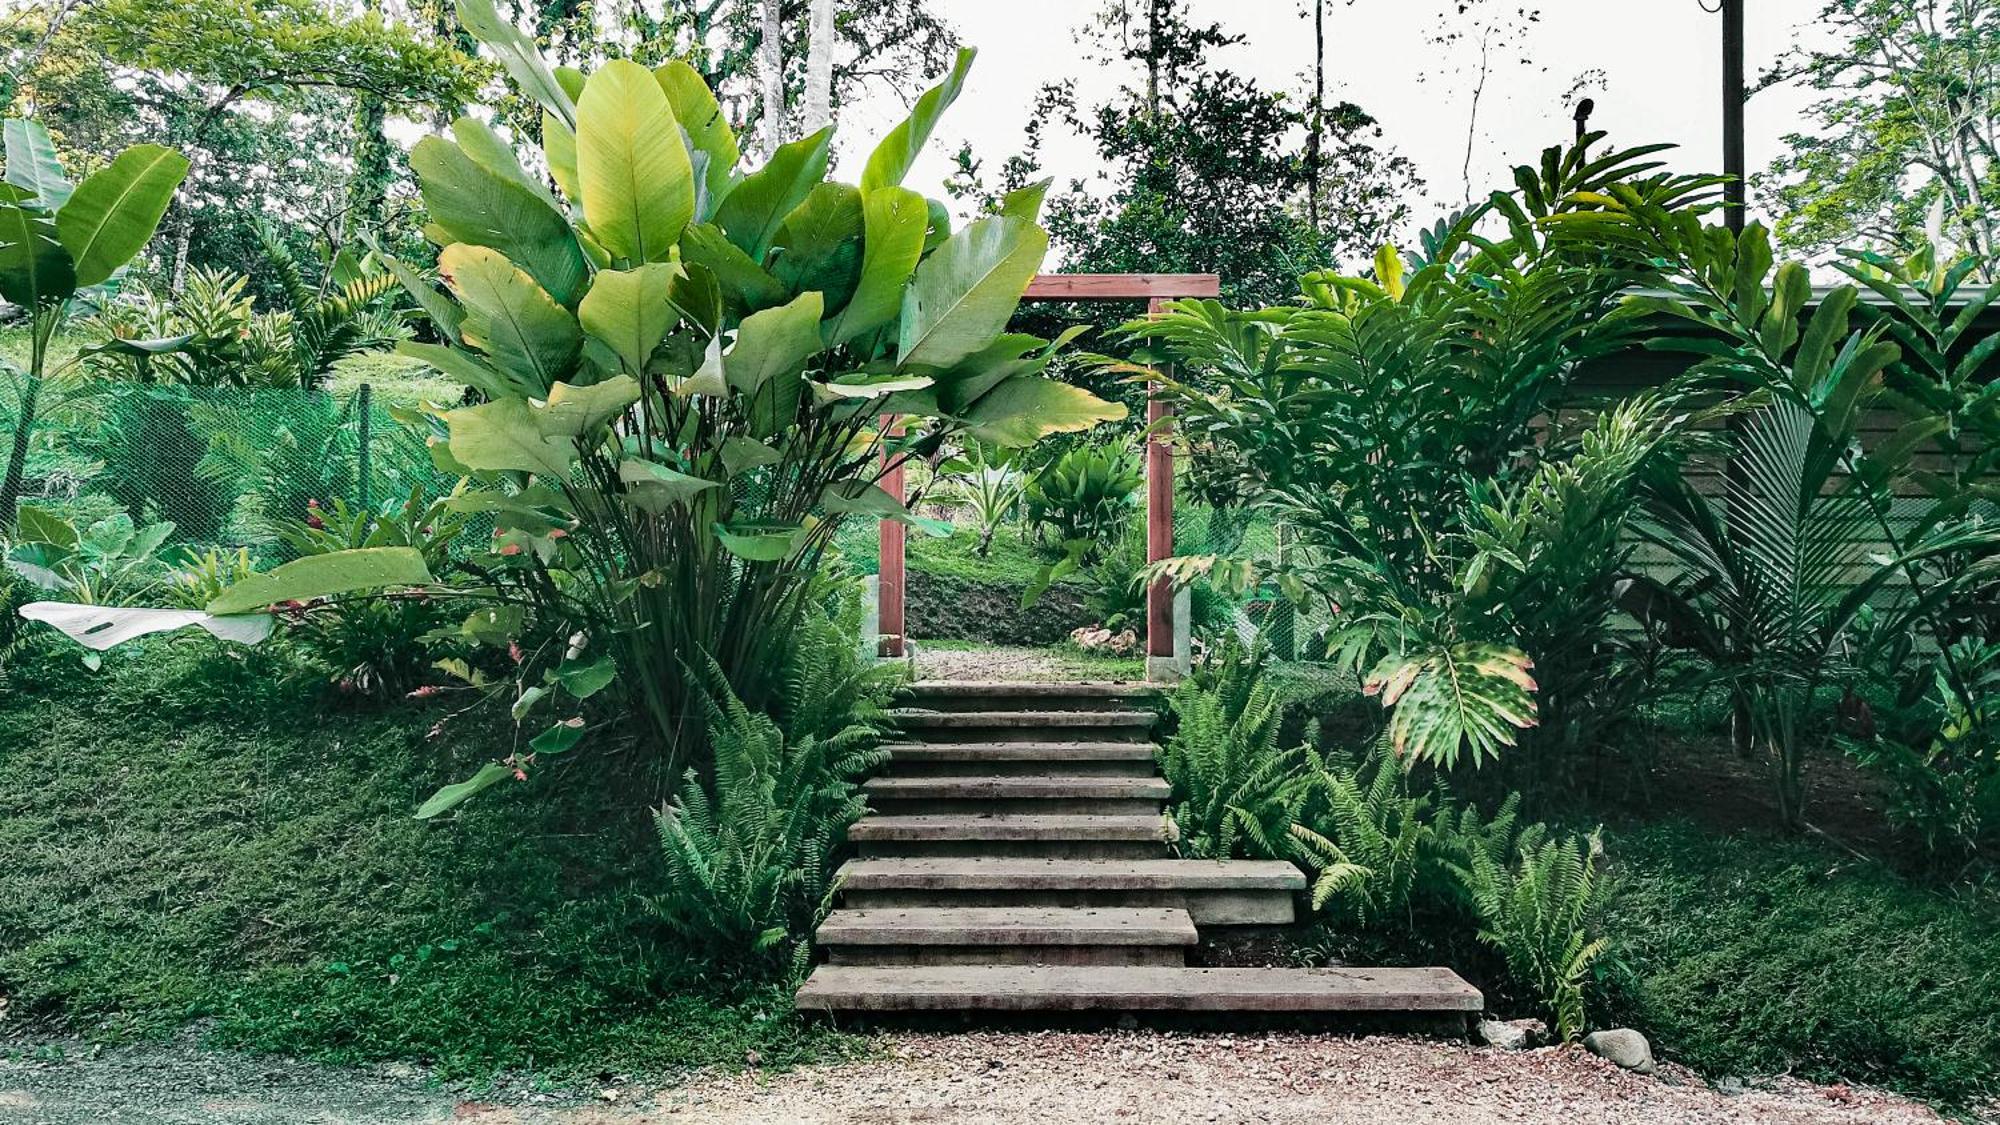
x=656 y=488
x=760 y=542
x=463 y=366
x=451 y=796
x=892 y=158
x=967 y=290
x=744 y=285
x=35 y=270
x=630 y=311
x=631 y=164
x=319 y=576
x=477 y=140
x=819 y=246
x=1022 y=411
x=518 y=55
x=475 y=205
x=32 y=165
x=1470 y=696
x=774 y=344
x=894 y=221
x=576 y=411
x=559 y=149
x=757 y=207
x=711 y=143
x=113 y=214
x=510 y=318
x=508 y=436
x=100 y=627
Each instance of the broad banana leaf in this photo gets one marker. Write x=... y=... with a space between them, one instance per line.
x=319 y=576
x=35 y=270
x=965 y=292
x=32 y=165
x=510 y=318
x=892 y=158
x=111 y=216
x=894 y=220
x=474 y=205
x=757 y=207
x=631 y=311
x=706 y=130
x=631 y=164
x=819 y=245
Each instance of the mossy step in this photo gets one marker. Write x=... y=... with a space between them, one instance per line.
x=920 y=719
x=1034 y=786
x=1019 y=751
x=1020 y=826
x=1053 y=988
x=1000 y=874
x=987 y=926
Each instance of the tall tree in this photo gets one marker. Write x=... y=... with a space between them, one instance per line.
x=1903 y=138
x=771 y=68
x=819 y=68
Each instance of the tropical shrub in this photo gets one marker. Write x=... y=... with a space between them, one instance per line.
x=992 y=489
x=1542 y=909
x=1414 y=431
x=684 y=373
x=1085 y=496
x=58 y=240
x=1774 y=575
x=748 y=854
x=389 y=643
x=1367 y=839
x=1231 y=783
x=111 y=562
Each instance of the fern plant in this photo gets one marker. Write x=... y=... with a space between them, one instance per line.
x=749 y=852
x=1233 y=787
x=1542 y=912
x=1366 y=837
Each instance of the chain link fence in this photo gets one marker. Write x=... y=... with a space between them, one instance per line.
x=226 y=466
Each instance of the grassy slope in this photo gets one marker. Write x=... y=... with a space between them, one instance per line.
x=187 y=835
x=1750 y=955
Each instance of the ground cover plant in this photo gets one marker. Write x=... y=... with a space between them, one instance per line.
x=187 y=838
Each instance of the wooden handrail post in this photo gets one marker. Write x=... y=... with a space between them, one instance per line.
x=1160 y=663
x=890 y=572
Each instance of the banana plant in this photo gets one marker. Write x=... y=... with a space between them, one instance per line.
x=58 y=239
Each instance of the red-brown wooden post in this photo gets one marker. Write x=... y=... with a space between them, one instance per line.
x=1156 y=289
x=889 y=582
x=1159 y=526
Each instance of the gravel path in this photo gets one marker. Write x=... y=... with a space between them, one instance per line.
x=1051 y=1078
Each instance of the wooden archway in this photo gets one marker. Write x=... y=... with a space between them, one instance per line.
x=1155 y=289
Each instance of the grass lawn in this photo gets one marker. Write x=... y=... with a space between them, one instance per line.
x=189 y=835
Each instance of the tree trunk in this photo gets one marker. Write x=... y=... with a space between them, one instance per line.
x=1313 y=153
x=819 y=68
x=41 y=330
x=771 y=61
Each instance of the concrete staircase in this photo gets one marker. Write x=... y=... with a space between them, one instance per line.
x=1017 y=860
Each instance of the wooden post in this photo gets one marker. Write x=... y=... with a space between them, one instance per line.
x=1159 y=526
x=890 y=588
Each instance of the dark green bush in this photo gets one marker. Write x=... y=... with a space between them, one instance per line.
x=1746 y=956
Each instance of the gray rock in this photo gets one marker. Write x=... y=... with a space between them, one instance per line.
x=1623 y=1046
x=1512 y=1035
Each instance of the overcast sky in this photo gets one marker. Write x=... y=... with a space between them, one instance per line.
x=1660 y=64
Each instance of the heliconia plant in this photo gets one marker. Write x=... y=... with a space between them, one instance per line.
x=691 y=373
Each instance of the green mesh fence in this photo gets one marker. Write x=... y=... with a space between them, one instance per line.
x=225 y=465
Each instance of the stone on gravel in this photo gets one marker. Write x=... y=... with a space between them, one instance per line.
x=1623 y=1046
x=1513 y=1035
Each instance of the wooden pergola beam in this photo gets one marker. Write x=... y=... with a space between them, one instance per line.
x=1122 y=286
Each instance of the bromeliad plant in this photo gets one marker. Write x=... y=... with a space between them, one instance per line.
x=691 y=375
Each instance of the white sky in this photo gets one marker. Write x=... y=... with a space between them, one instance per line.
x=1660 y=58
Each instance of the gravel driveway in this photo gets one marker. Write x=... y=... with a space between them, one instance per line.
x=1052 y=1078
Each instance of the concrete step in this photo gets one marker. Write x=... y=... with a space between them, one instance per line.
x=1236 y=893
x=976 y=936
x=845 y=988
x=1041 y=793
x=1005 y=759
x=1002 y=695
x=1024 y=726
x=1016 y=835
